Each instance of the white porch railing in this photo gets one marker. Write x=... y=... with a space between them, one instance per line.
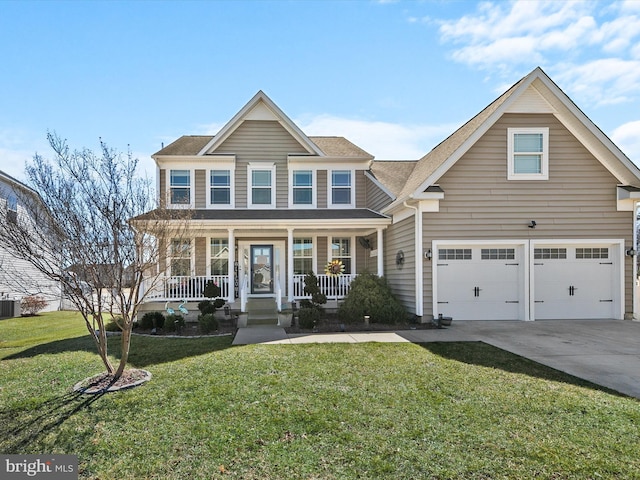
x=186 y=288
x=332 y=287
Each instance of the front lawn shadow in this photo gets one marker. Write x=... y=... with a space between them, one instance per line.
x=144 y=351
x=485 y=355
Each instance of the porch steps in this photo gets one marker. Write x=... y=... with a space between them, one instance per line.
x=262 y=311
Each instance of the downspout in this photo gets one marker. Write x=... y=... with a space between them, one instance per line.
x=418 y=260
x=634 y=297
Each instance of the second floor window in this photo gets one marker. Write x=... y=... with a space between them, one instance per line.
x=220 y=187
x=180 y=185
x=341 y=187
x=261 y=187
x=303 y=187
x=12 y=208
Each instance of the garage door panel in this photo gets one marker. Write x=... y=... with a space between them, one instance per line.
x=480 y=283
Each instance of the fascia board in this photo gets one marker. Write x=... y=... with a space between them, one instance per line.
x=179 y=160
x=305 y=159
x=269 y=224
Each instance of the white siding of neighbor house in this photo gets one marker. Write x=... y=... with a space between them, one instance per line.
x=578 y=201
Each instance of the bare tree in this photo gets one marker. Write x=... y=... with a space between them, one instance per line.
x=79 y=232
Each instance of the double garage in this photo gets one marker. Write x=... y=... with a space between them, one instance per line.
x=529 y=279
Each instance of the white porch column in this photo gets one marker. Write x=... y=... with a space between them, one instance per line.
x=230 y=267
x=290 y=264
x=380 y=253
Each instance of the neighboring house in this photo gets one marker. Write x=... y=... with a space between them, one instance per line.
x=526 y=212
x=18 y=278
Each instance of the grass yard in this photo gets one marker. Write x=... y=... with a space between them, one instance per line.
x=316 y=411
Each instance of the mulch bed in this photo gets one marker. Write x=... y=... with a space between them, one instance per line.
x=104 y=382
x=332 y=324
x=189 y=330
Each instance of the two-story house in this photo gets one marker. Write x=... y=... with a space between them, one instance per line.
x=525 y=212
x=18 y=278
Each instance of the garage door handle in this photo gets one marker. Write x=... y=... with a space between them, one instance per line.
x=606 y=263
x=443 y=302
x=606 y=301
x=511 y=301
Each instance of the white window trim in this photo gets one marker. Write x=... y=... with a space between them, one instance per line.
x=232 y=188
x=544 y=173
x=261 y=166
x=192 y=179
x=192 y=257
x=351 y=203
x=352 y=240
x=313 y=188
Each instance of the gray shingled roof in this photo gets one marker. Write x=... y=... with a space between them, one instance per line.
x=331 y=146
x=393 y=174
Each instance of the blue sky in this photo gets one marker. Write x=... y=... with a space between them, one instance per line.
x=394 y=77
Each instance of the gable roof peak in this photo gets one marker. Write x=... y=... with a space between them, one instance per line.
x=261 y=107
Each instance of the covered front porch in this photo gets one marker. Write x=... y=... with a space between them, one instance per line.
x=268 y=260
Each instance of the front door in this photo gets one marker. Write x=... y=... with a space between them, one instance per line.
x=261 y=269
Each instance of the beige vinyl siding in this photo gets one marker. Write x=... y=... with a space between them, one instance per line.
x=578 y=201
x=201 y=256
x=322 y=246
x=361 y=257
x=200 y=194
x=162 y=192
x=321 y=189
x=261 y=141
x=361 y=189
x=401 y=280
x=376 y=198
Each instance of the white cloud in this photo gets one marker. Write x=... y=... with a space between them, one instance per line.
x=594 y=47
x=627 y=137
x=384 y=140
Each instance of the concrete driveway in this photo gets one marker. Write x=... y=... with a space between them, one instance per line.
x=605 y=352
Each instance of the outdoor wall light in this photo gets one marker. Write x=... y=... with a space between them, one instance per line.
x=428 y=255
x=532 y=224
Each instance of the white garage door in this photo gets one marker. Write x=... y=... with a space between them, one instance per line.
x=575 y=282
x=480 y=282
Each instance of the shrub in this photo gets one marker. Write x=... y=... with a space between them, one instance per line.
x=308 y=317
x=212 y=290
x=173 y=321
x=151 y=320
x=208 y=323
x=370 y=295
x=32 y=304
x=112 y=325
x=206 y=307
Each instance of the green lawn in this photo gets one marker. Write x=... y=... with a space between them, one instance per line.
x=316 y=411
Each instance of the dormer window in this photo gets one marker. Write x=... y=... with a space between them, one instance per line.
x=528 y=153
x=180 y=186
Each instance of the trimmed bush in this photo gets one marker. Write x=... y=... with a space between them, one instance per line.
x=370 y=295
x=212 y=290
x=208 y=323
x=170 y=322
x=309 y=317
x=151 y=320
x=206 y=307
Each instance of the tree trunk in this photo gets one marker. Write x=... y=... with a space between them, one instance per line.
x=125 y=343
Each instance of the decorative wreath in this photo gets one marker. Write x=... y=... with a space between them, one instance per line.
x=334 y=268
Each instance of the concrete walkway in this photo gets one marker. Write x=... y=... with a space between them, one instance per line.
x=605 y=352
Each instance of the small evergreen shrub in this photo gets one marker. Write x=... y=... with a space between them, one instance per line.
x=207 y=323
x=170 y=324
x=206 y=307
x=212 y=290
x=309 y=317
x=370 y=295
x=151 y=320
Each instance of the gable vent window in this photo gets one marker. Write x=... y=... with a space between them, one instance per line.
x=528 y=150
